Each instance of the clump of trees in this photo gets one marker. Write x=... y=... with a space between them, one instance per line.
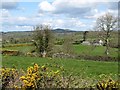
x=106 y=23
x=43 y=40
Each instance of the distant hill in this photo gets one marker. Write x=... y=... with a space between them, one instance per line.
x=58 y=30
x=24 y=34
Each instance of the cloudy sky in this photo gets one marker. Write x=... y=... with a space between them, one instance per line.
x=77 y=15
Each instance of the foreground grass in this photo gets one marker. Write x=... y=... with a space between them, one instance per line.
x=76 y=67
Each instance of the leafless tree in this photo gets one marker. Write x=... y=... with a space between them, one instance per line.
x=106 y=23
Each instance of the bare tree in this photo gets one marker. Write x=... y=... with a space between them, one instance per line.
x=106 y=23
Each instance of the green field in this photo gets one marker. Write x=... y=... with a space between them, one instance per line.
x=78 y=49
x=72 y=66
x=75 y=67
x=98 y=50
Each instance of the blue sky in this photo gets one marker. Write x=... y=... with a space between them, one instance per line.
x=78 y=15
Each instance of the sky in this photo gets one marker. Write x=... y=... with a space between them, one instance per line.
x=78 y=15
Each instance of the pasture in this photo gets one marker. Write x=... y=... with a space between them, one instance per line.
x=73 y=66
x=78 y=67
x=77 y=49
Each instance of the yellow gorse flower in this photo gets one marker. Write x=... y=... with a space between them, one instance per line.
x=36 y=77
x=36 y=67
x=22 y=78
x=29 y=70
x=31 y=76
x=107 y=84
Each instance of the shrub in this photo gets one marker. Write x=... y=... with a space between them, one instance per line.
x=45 y=77
x=108 y=85
x=9 y=77
x=31 y=77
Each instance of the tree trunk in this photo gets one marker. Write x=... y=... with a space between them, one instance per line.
x=44 y=54
x=107 y=49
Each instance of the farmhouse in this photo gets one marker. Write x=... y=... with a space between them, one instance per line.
x=97 y=43
x=86 y=43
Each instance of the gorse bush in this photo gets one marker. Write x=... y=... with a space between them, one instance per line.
x=31 y=77
x=108 y=85
x=9 y=77
x=50 y=76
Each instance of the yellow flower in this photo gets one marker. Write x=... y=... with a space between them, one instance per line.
x=105 y=85
x=43 y=66
x=34 y=75
x=32 y=78
x=36 y=67
x=22 y=78
x=57 y=72
x=29 y=84
x=28 y=77
x=25 y=81
x=29 y=70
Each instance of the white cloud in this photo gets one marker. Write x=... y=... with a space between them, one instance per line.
x=22 y=19
x=9 y=0
x=45 y=6
x=59 y=14
x=72 y=3
x=12 y=20
x=16 y=28
x=54 y=0
x=66 y=7
x=74 y=8
x=5 y=13
x=114 y=12
x=113 y=5
x=23 y=22
x=23 y=27
x=68 y=23
x=98 y=14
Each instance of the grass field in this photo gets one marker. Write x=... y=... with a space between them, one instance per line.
x=74 y=66
x=78 y=49
x=98 y=50
x=91 y=68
